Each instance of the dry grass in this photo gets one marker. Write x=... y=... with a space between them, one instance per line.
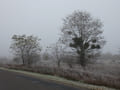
x=60 y=80
x=104 y=73
x=89 y=75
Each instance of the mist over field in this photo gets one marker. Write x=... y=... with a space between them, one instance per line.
x=44 y=19
x=78 y=40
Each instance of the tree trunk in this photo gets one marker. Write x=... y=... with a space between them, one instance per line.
x=58 y=63
x=82 y=59
x=23 y=60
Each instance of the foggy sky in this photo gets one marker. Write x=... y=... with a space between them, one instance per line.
x=43 y=18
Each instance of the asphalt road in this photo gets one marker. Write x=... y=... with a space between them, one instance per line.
x=16 y=81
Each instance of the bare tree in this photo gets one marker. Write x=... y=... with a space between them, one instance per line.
x=58 y=52
x=46 y=55
x=82 y=33
x=27 y=48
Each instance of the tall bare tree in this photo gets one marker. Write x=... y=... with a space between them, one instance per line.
x=27 y=48
x=82 y=33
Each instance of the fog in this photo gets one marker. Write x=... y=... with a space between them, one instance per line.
x=43 y=18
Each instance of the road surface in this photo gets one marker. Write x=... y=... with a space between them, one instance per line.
x=16 y=81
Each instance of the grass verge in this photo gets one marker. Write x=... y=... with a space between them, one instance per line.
x=60 y=80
